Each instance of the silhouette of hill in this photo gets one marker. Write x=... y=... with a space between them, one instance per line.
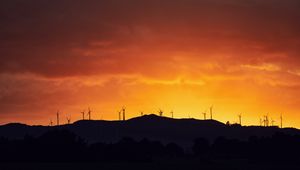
x=164 y=129
x=149 y=141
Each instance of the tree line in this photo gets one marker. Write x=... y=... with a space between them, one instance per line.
x=63 y=145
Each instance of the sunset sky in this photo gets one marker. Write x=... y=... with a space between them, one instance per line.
x=241 y=56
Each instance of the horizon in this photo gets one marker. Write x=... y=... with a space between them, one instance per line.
x=53 y=123
x=242 y=57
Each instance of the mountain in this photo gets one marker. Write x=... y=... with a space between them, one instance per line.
x=180 y=131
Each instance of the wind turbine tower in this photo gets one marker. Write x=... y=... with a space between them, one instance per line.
x=69 y=120
x=260 y=122
x=204 y=115
x=281 y=121
x=211 y=112
x=119 y=115
x=172 y=114
x=160 y=112
x=240 y=119
x=57 y=118
x=83 y=113
x=124 y=113
x=266 y=121
x=89 y=113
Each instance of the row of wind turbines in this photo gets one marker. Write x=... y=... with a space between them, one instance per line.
x=265 y=121
x=68 y=118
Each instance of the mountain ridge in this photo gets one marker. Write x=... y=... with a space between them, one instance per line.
x=164 y=129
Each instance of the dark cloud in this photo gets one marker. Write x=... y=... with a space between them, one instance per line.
x=43 y=36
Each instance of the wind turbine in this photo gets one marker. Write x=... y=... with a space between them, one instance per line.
x=240 y=119
x=57 y=118
x=211 y=112
x=204 y=115
x=142 y=113
x=124 y=113
x=89 y=113
x=260 y=122
x=83 y=113
x=280 y=120
x=160 y=112
x=51 y=123
x=172 y=114
x=266 y=120
x=119 y=115
x=69 y=120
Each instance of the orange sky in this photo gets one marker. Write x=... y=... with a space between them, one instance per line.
x=240 y=56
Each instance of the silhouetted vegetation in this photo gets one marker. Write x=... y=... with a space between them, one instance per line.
x=64 y=146
x=279 y=147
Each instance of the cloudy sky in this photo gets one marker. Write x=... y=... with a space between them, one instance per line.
x=181 y=55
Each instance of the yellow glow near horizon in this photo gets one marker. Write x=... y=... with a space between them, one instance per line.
x=187 y=97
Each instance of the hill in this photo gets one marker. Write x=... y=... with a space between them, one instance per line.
x=166 y=130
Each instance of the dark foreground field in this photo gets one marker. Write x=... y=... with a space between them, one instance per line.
x=61 y=149
x=176 y=164
x=149 y=143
